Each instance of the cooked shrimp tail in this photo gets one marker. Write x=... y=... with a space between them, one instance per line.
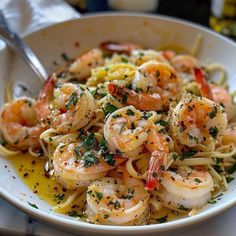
x=159 y=150
x=204 y=86
x=141 y=101
x=44 y=98
x=154 y=168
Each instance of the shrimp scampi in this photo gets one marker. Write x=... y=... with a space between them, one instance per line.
x=187 y=188
x=127 y=135
x=65 y=108
x=198 y=122
x=75 y=167
x=113 y=201
x=19 y=125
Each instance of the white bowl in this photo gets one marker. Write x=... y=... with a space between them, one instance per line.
x=90 y=31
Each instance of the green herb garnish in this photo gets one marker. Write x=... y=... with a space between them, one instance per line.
x=109 y=108
x=116 y=205
x=213 y=132
x=162 y=219
x=90 y=159
x=74 y=214
x=146 y=115
x=73 y=99
x=212 y=114
x=33 y=205
x=129 y=112
x=229 y=179
x=89 y=141
x=124 y=60
x=99 y=195
x=109 y=158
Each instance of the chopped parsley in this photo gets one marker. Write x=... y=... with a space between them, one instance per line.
x=89 y=141
x=109 y=158
x=212 y=114
x=109 y=108
x=162 y=122
x=146 y=115
x=94 y=92
x=90 y=192
x=175 y=156
x=181 y=207
x=213 y=132
x=99 y=195
x=33 y=205
x=73 y=99
x=130 y=194
x=218 y=160
x=188 y=154
x=211 y=201
x=102 y=147
x=89 y=159
x=74 y=214
x=2 y=142
x=106 y=216
x=116 y=205
x=129 y=112
x=197 y=180
x=162 y=219
x=77 y=152
x=59 y=196
x=65 y=57
x=124 y=60
x=229 y=179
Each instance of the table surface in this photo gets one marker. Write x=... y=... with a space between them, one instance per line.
x=16 y=222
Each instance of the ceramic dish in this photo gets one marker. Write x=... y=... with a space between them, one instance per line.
x=88 y=32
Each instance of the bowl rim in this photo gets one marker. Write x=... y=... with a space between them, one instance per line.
x=73 y=224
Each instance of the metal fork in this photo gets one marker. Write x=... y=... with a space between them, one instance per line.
x=21 y=48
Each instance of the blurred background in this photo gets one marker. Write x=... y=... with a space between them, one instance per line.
x=220 y=15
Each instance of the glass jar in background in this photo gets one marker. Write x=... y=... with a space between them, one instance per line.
x=223 y=17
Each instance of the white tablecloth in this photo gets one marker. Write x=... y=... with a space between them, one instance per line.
x=26 y=16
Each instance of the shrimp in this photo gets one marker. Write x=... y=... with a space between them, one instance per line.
x=141 y=101
x=198 y=122
x=184 y=63
x=117 y=201
x=83 y=64
x=215 y=93
x=159 y=85
x=222 y=96
x=70 y=108
x=128 y=132
x=19 y=124
x=125 y=131
x=74 y=166
x=113 y=47
x=188 y=188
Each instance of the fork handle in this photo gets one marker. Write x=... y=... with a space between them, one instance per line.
x=14 y=41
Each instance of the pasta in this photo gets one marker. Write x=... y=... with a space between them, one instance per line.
x=131 y=132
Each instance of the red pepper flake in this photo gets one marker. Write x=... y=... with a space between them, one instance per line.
x=47 y=175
